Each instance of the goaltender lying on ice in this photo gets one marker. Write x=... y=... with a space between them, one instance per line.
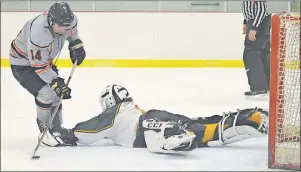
x=127 y=125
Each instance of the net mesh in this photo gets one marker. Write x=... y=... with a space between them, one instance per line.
x=287 y=147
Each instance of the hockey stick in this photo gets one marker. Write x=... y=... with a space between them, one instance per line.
x=52 y=116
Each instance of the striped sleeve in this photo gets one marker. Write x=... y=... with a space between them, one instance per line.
x=260 y=12
x=244 y=6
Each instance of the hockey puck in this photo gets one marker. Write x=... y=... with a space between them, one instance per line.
x=35 y=157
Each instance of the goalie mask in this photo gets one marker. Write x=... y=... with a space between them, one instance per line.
x=112 y=95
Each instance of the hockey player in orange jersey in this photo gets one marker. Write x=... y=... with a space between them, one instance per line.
x=41 y=40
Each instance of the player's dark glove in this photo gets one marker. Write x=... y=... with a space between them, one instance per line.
x=55 y=69
x=60 y=88
x=77 y=52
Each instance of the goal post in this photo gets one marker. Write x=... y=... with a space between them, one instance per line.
x=284 y=118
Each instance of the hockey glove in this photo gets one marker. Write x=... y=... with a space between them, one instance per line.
x=60 y=88
x=77 y=52
x=55 y=69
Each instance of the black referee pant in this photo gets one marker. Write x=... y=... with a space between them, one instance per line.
x=256 y=56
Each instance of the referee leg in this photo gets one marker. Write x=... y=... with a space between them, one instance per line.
x=265 y=55
x=253 y=62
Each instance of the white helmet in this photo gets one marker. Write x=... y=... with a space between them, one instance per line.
x=112 y=95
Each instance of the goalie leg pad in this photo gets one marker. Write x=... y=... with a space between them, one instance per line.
x=253 y=125
x=167 y=137
x=241 y=125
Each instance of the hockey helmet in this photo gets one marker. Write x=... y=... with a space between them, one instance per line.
x=61 y=14
x=112 y=95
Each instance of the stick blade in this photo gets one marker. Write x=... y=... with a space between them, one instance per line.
x=35 y=157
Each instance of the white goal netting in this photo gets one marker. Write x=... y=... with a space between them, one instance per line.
x=287 y=125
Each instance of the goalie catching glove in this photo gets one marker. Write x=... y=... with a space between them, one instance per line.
x=60 y=88
x=77 y=51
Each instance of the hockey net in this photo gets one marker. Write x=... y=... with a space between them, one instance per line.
x=284 y=132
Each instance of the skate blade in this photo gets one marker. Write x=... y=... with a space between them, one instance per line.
x=261 y=97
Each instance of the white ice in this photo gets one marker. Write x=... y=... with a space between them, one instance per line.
x=191 y=92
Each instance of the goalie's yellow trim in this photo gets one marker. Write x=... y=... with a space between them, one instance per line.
x=141 y=110
x=109 y=126
x=256 y=117
x=210 y=130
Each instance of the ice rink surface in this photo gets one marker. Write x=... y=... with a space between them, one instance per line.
x=191 y=92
